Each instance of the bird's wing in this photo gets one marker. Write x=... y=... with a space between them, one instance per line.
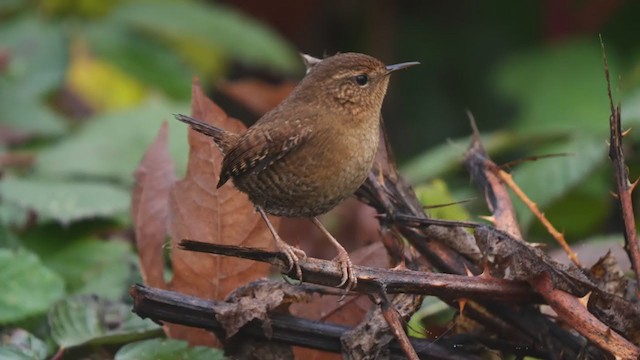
x=257 y=150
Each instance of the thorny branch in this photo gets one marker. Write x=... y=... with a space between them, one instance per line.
x=625 y=187
x=547 y=277
x=373 y=280
x=508 y=179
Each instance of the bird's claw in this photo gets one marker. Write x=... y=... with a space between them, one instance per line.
x=348 y=277
x=293 y=256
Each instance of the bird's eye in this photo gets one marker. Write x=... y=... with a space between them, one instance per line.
x=362 y=79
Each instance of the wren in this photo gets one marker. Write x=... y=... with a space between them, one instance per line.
x=313 y=150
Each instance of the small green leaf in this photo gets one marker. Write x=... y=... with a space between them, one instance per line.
x=88 y=319
x=28 y=287
x=211 y=25
x=65 y=201
x=436 y=193
x=20 y=344
x=111 y=146
x=166 y=349
x=96 y=267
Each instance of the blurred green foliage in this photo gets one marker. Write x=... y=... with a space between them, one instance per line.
x=85 y=85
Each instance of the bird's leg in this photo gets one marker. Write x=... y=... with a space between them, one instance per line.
x=343 y=260
x=293 y=254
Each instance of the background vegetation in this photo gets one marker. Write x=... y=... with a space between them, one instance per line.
x=84 y=86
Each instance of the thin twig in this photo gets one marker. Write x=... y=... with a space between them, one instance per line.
x=508 y=179
x=625 y=187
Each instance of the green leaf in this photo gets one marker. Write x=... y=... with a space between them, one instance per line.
x=558 y=88
x=593 y=194
x=166 y=349
x=142 y=57
x=12 y=353
x=38 y=59
x=546 y=180
x=65 y=201
x=96 y=267
x=447 y=157
x=214 y=26
x=28 y=287
x=88 y=319
x=111 y=145
x=20 y=344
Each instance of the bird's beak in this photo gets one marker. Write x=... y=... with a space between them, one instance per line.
x=394 y=67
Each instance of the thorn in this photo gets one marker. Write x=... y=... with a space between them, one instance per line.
x=615 y=195
x=467 y=271
x=585 y=299
x=541 y=246
x=489 y=218
x=608 y=143
x=461 y=304
x=486 y=273
x=624 y=133
x=608 y=332
x=633 y=185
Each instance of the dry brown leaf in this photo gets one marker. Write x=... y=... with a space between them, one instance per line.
x=256 y=301
x=199 y=211
x=154 y=177
x=192 y=208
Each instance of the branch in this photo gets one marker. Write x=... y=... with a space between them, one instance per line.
x=575 y=314
x=480 y=168
x=168 y=306
x=625 y=187
x=372 y=280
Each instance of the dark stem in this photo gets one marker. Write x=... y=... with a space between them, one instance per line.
x=173 y=307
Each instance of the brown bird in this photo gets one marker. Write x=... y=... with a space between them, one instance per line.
x=313 y=150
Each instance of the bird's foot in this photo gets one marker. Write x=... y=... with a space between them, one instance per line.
x=346 y=268
x=293 y=255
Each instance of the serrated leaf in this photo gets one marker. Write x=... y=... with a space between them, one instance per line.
x=558 y=88
x=28 y=287
x=88 y=319
x=211 y=25
x=20 y=344
x=91 y=153
x=65 y=201
x=37 y=63
x=546 y=180
x=95 y=267
x=166 y=349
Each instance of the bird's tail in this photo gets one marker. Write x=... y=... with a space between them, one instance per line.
x=223 y=138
